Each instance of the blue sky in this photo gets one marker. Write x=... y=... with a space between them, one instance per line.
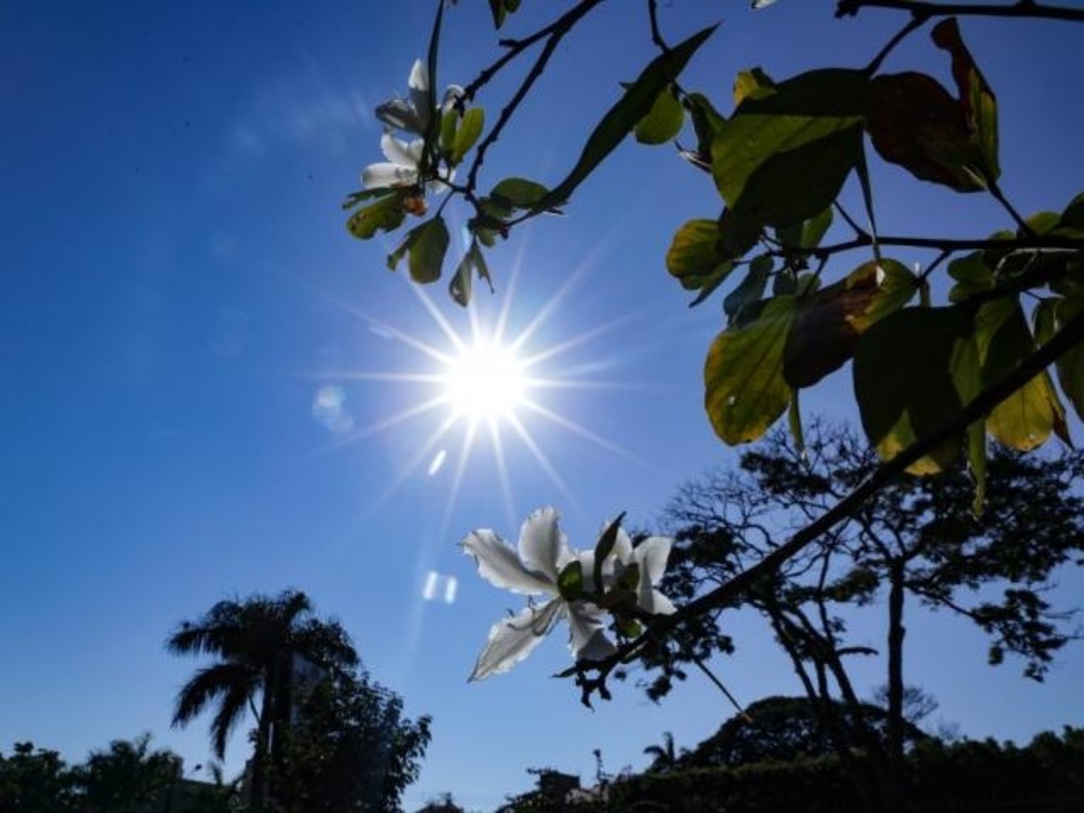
x=178 y=290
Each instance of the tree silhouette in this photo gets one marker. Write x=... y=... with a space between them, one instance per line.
x=252 y=642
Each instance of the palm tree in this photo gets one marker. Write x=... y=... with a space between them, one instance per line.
x=664 y=757
x=253 y=642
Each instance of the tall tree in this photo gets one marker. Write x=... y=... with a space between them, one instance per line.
x=252 y=642
x=918 y=540
x=348 y=748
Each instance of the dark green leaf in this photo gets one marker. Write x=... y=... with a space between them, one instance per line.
x=387 y=214
x=473 y=262
x=518 y=193
x=913 y=371
x=570 y=581
x=706 y=124
x=426 y=245
x=663 y=122
x=972 y=276
x=623 y=116
x=1070 y=365
x=604 y=547
x=749 y=291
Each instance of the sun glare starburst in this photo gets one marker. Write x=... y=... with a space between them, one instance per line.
x=485 y=380
x=486 y=384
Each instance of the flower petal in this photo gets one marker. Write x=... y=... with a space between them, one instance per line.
x=659 y=604
x=453 y=94
x=512 y=639
x=381 y=175
x=500 y=566
x=400 y=114
x=400 y=152
x=542 y=546
x=651 y=554
x=622 y=546
x=419 y=77
x=587 y=636
x=419 y=94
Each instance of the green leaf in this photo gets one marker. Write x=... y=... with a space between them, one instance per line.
x=469 y=130
x=354 y=198
x=799 y=112
x=518 y=193
x=745 y=391
x=663 y=122
x=1070 y=365
x=752 y=84
x=604 y=547
x=570 y=581
x=827 y=324
x=500 y=9
x=750 y=290
x=1026 y=418
x=426 y=244
x=449 y=122
x=473 y=262
x=972 y=275
x=794 y=418
x=913 y=371
x=706 y=124
x=1073 y=215
x=387 y=214
x=807 y=234
x=623 y=116
x=629 y=580
x=694 y=260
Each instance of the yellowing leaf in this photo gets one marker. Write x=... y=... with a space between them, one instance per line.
x=743 y=376
x=693 y=257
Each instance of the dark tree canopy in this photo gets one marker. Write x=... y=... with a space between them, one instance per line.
x=348 y=748
x=775 y=729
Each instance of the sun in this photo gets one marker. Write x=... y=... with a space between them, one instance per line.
x=485 y=380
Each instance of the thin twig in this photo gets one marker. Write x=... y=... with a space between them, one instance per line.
x=916 y=21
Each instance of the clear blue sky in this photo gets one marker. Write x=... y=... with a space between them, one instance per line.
x=178 y=289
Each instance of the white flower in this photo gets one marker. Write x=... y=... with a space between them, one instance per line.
x=401 y=168
x=413 y=114
x=543 y=553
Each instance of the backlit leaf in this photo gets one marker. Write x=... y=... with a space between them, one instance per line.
x=1025 y=419
x=1070 y=365
x=913 y=372
x=469 y=130
x=663 y=122
x=387 y=214
x=745 y=391
x=827 y=323
x=425 y=247
x=694 y=259
x=518 y=193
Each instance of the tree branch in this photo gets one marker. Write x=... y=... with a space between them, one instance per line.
x=1023 y=8
x=591 y=676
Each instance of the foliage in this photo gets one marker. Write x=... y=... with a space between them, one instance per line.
x=916 y=540
x=128 y=777
x=252 y=641
x=349 y=748
x=970 y=776
x=35 y=780
x=776 y=729
x=931 y=381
